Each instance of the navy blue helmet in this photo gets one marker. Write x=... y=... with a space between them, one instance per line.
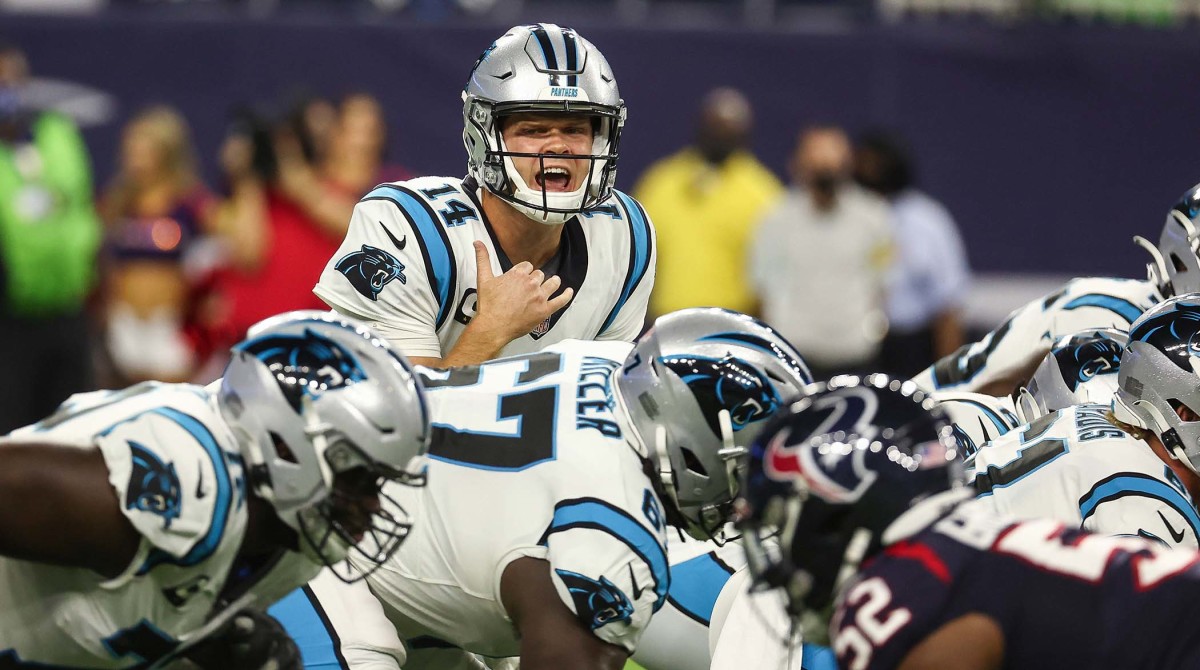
x=831 y=472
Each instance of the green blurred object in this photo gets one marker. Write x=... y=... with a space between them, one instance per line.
x=630 y=665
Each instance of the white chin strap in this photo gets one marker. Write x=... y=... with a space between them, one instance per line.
x=524 y=199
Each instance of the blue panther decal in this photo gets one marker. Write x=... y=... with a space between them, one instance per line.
x=1083 y=359
x=305 y=364
x=727 y=383
x=370 y=269
x=153 y=485
x=1176 y=333
x=597 y=603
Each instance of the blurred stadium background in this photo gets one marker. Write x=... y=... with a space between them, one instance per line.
x=1053 y=130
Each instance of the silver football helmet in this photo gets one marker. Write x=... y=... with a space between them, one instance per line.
x=543 y=69
x=698 y=386
x=1175 y=262
x=1080 y=368
x=324 y=410
x=1160 y=376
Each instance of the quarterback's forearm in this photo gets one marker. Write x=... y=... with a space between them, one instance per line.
x=478 y=343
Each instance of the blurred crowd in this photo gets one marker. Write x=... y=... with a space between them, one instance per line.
x=154 y=274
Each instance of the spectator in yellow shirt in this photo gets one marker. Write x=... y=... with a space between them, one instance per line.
x=705 y=201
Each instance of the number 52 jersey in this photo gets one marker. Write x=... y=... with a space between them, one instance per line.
x=528 y=459
x=1062 y=598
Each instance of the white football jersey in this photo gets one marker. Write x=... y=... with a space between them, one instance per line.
x=1027 y=334
x=528 y=458
x=1075 y=467
x=407 y=267
x=179 y=479
x=677 y=638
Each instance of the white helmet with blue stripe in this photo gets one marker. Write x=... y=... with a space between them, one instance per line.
x=698 y=386
x=320 y=405
x=543 y=69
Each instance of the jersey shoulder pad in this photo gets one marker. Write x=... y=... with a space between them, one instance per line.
x=178 y=479
x=609 y=567
x=433 y=209
x=1124 y=298
x=635 y=235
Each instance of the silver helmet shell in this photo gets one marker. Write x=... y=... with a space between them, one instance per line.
x=1079 y=368
x=542 y=69
x=311 y=395
x=1160 y=376
x=698 y=386
x=1175 y=262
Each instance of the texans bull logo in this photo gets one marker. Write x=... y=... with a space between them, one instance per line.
x=153 y=485
x=370 y=269
x=726 y=384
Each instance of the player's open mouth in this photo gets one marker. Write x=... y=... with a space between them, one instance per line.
x=554 y=179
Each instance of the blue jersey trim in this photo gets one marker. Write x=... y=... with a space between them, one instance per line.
x=224 y=494
x=1000 y=424
x=600 y=515
x=434 y=246
x=639 y=253
x=1122 y=308
x=815 y=657
x=695 y=585
x=1139 y=485
x=301 y=615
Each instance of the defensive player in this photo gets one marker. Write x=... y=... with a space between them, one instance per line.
x=554 y=478
x=1005 y=358
x=535 y=246
x=133 y=523
x=1084 y=467
x=863 y=477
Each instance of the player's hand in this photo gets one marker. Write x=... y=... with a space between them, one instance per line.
x=518 y=300
x=252 y=640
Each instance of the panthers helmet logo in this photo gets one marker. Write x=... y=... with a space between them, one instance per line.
x=1176 y=333
x=309 y=363
x=1083 y=362
x=153 y=485
x=370 y=269
x=726 y=384
x=597 y=603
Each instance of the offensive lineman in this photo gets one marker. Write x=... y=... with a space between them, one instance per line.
x=134 y=523
x=920 y=576
x=535 y=246
x=553 y=479
x=1005 y=357
x=1098 y=466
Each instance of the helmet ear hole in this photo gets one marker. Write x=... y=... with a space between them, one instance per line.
x=693 y=462
x=1178 y=263
x=282 y=448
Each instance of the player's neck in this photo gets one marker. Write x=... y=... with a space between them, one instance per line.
x=1190 y=480
x=265 y=532
x=521 y=238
